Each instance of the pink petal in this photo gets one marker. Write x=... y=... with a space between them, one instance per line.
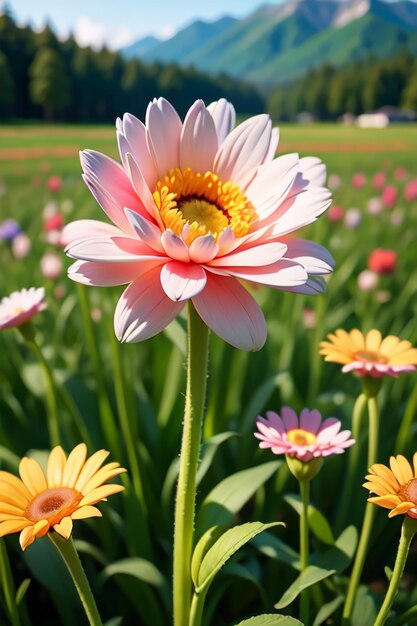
x=144 y=309
x=289 y=417
x=258 y=256
x=198 y=139
x=272 y=184
x=108 y=249
x=145 y=230
x=244 y=150
x=203 y=249
x=142 y=190
x=164 y=131
x=224 y=116
x=81 y=229
x=273 y=145
x=132 y=138
x=275 y=421
x=228 y=309
x=174 y=246
x=104 y=274
x=110 y=186
x=312 y=256
x=328 y=431
x=284 y=274
x=310 y=420
x=300 y=210
x=182 y=281
x=314 y=285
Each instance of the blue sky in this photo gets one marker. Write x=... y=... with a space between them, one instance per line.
x=118 y=23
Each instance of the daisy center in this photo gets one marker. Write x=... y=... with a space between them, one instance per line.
x=370 y=357
x=301 y=437
x=203 y=202
x=409 y=491
x=53 y=504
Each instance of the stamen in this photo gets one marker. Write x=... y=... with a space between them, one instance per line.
x=370 y=357
x=301 y=437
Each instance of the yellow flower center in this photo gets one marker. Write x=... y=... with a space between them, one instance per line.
x=204 y=202
x=371 y=357
x=409 y=491
x=301 y=437
x=53 y=504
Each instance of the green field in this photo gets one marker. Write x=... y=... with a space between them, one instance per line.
x=142 y=386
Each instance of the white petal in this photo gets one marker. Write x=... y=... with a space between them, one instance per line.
x=174 y=246
x=300 y=210
x=144 y=309
x=261 y=255
x=198 y=139
x=314 y=286
x=146 y=231
x=231 y=312
x=244 y=150
x=272 y=184
x=110 y=249
x=283 y=275
x=203 y=249
x=164 y=131
x=81 y=229
x=315 y=258
x=132 y=139
x=182 y=281
x=224 y=116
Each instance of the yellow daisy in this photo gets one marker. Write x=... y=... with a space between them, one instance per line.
x=395 y=488
x=39 y=502
x=370 y=354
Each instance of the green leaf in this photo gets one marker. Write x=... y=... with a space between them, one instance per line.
x=209 y=449
x=20 y=593
x=228 y=497
x=364 y=611
x=277 y=549
x=327 y=610
x=225 y=547
x=138 y=568
x=202 y=547
x=318 y=524
x=310 y=576
x=114 y=621
x=270 y=620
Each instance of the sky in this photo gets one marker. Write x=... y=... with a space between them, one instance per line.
x=119 y=23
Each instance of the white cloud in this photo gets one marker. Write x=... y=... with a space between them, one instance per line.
x=167 y=32
x=94 y=34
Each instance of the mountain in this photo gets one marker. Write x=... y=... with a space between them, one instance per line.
x=278 y=43
x=140 y=47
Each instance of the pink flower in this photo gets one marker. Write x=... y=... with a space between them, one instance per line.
x=367 y=280
x=198 y=206
x=53 y=222
x=21 y=306
x=54 y=183
x=382 y=261
x=410 y=192
x=400 y=173
x=335 y=213
x=378 y=180
x=51 y=265
x=305 y=437
x=358 y=180
x=389 y=196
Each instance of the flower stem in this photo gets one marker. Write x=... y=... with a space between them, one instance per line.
x=408 y=530
x=304 y=547
x=197 y=606
x=368 y=517
x=190 y=447
x=7 y=584
x=67 y=550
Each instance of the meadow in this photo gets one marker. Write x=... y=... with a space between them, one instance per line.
x=129 y=399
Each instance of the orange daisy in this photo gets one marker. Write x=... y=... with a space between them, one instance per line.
x=67 y=492
x=370 y=354
x=395 y=488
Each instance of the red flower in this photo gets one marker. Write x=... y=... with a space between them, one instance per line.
x=382 y=261
x=389 y=196
x=55 y=222
x=335 y=213
x=54 y=183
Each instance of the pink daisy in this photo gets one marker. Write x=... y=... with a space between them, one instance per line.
x=305 y=437
x=20 y=306
x=199 y=206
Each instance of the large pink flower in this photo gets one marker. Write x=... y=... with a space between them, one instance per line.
x=197 y=207
x=305 y=438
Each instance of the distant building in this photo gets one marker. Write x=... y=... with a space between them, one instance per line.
x=385 y=116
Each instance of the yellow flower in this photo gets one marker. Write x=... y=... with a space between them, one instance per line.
x=369 y=355
x=395 y=488
x=39 y=502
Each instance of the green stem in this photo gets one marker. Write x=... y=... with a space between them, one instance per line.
x=408 y=530
x=52 y=413
x=108 y=425
x=304 y=547
x=67 y=550
x=197 y=606
x=7 y=584
x=353 y=460
x=190 y=447
x=368 y=517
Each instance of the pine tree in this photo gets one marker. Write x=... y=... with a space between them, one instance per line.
x=49 y=84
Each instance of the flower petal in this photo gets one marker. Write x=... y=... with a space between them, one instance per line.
x=32 y=475
x=55 y=467
x=272 y=184
x=74 y=464
x=289 y=417
x=174 y=246
x=100 y=494
x=111 y=249
x=312 y=256
x=203 y=249
x=132 y=138
x=147 y=232
x=224 y=117
x=64 y=528
x=228 y=309
x=86 y=511
x=81 y=229
x=199 y=143
x=283 y=274
x=259 y=256
x=91 y=466
x=144 y=309
x=104 y=274
x=182 y=281
x=164 y=131
x=299 y=210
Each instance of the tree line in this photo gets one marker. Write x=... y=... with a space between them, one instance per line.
x=329 y=92
x=44 y=78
